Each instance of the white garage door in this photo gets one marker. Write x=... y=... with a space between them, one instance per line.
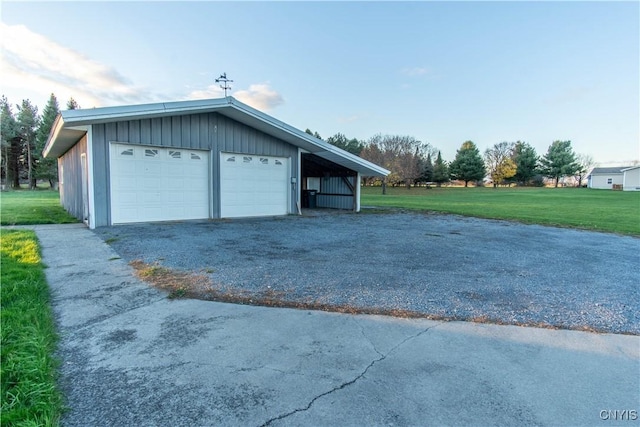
x=158 y=184
x=253 y=185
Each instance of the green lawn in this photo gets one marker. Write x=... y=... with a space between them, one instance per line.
x=601 y=210
x=28 y=338
x=32 y=207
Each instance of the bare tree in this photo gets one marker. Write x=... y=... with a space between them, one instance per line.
x=400 y=154
x=585 y=164
x=373 y=153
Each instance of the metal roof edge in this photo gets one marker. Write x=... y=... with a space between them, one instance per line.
x=69 y=118
x=357 y=159
x=303 y=135
x=58 y=124
x=105 y=114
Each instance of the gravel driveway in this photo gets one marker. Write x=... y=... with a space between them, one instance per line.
x=444 y=266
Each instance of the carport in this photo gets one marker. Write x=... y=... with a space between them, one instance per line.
x=326 y=184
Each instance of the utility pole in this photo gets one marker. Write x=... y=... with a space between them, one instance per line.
x=225 y=83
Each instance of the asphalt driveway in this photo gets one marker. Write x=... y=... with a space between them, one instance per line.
x=437 y=266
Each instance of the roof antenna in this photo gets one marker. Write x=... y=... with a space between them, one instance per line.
x=225 y=83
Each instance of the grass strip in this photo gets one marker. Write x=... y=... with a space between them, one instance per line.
x=581 y=208
x=29 y=207
x=28 y=369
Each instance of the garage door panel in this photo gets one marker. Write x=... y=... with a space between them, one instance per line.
x=172 y=198
x=153 y=213
x=175 y=212
x=253 y=185
x=125 y=184
x=193 y=184
x=176 y=184
x=178 y=170
x=155 y=169
x=129 y=197
x=149 y=183
x=129 y=214
x=195 y=174
x=127 y=167
x=151 y=198
x=158 y=184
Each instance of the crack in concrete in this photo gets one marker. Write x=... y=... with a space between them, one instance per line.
x=367 y=337
x=351 y=382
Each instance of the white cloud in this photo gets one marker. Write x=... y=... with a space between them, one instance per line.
x=211 y=91
x=416 y=71
x=569 y=95
x=33 y=63
x=260 y=96
x=35 y=66
x=349 y=119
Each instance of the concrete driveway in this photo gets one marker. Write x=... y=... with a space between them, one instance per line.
x=130 y=356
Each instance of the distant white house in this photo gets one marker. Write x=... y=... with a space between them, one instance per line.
x=631 y=179
x=606 y=178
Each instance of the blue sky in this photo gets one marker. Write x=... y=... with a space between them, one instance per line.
x=442 y=72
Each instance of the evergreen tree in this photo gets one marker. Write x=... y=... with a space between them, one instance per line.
x=559 y=161
x=468 y=164
x=440 y=171
x=10 y=141
x=426 y=168
x=72 y=104
x=28 y=122
x=526 y=160
x=46 y=168
x=314 y=134
x=352 y=145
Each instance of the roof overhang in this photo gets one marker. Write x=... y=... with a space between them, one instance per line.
x=630 y=168
x=62 y=138
x=71 y=125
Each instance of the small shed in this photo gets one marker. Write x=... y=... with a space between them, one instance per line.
x=216 y=158
x=631 y=179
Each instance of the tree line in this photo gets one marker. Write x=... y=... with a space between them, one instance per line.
x=413 y=162
x=23 y=135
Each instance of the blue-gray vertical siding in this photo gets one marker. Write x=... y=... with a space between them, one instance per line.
x=209 y=131
x=70 y=177
x=335 y=193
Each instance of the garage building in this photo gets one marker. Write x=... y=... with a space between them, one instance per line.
x=216 y=158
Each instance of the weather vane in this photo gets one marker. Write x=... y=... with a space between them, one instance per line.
x=225 y=83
